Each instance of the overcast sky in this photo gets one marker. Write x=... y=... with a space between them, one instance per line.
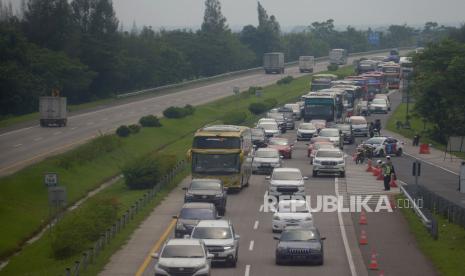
x=168 y=13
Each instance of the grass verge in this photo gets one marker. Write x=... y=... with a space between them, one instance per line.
x=448 y=252
x=23 y=198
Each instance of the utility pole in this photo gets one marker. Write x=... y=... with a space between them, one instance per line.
x=407 y=89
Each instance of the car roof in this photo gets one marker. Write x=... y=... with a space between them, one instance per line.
x=198 y=205
x=207 y=180
x=213 y=223
x=330 y=128
x=184 y=242
x=330 y=149
x=357 y=117
x=286 y=170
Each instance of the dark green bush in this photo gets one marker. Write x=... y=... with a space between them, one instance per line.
x=89 y=151
x=285 y=80
x=144 y=173
x=174 y=112
x=123 y=131
x=234 y=118
x=80 y=228
x=258 y=108
x=149 y=121
x=271 y=103
x=134 y=128
x=333 y=67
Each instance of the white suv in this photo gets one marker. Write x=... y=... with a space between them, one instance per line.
x=286 y=182
x=292 y=213
x=183 y=257
x=220 y=239
x=329 y=161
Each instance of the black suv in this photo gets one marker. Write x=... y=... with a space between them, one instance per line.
x=300 y=245
x=191 y=214
x=347 y=133
x=207 y=190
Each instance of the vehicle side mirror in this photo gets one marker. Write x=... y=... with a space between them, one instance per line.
x=155 y=256
x=305 y=177
x=276 y=237
x=281 y=156
x=237 y=237
x=323 y=238
x=210 y=256
x=175 y=217
x=184 y=188
x=267 y=177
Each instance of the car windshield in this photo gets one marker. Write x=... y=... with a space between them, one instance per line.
x=287 y=175
x=183 y=251
x=205 y=185
x=329 y=132
x=357 y=121
x=298 y=235
x=281 y=142
x=197 y=214
x=267 y=154
x=375 y=140
x=327 y=153
x=269 y=126
x=211 y=233
x=307 y=126
x=379 y=101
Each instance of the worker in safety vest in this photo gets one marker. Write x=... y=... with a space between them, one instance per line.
x=388 y=172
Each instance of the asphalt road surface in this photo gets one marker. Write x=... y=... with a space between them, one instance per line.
x=28 y=145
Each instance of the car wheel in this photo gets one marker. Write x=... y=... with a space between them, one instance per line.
x=233 y=263
x=279 y=262
x=343 y=174
x=321 y=262
x=315 y=174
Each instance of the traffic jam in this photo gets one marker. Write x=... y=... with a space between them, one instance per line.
x=329 y=126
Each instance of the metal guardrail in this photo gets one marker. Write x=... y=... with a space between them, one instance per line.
x=88 y=257
x=236 y=73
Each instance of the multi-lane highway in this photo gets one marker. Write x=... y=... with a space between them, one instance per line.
x=27 y=145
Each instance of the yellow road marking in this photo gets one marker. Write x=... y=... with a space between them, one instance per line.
x=156 y=247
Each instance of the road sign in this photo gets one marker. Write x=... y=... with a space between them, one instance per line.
x=373 y=38
x=51 y=179
x=258 y=93
x=57 y=196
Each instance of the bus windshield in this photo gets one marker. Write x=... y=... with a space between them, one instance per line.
x=215 y=163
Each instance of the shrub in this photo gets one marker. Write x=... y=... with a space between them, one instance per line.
x=149 y=121
x=144 y=173
x=285 y=80
x=123 y=131
x=271 y=102
x=134 y=128
x=258 y=108
x=79 y=229
x=234 y=118
x=174 y=112
x=89 y=151
x=333 y=67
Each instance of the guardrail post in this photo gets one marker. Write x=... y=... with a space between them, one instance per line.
x=91 y=255
x=68 y=271
x=77 y=267
x=84 y=261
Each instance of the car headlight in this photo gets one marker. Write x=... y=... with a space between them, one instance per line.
x=308 y=218
x=228 y=247
x=219 y=195
x=340 y=162
x=163 y=267
x=316 y=161
x=273 y=188
x=180 y=226
x=281 y=249
x=189 y=195
x=275 y=165
x=276 y=217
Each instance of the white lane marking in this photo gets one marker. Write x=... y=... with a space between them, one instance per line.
x=247 y=270
x=260 y=209
x=432 y=164
x=17 y=130
x=251 y=245
x=17 y=145
x=255 y=225
x=37 y=139
x=57 y=133
x=266 y=194
x=353 y=272
x=73 y=128
x=89 y=123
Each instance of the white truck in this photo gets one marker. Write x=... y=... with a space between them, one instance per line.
x=273 y=63
x=338 y=56
x=306 y=64
x=52 y=111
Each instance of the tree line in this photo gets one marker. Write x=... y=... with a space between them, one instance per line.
x=80 y=48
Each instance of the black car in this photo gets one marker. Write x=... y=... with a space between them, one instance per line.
x=300 y=245
x=347 y=133
x=288 y=116
x=258 y=137
x=191 y=214
x=207 y=190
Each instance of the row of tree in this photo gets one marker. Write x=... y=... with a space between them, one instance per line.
x=439 y=86
x=79 y=47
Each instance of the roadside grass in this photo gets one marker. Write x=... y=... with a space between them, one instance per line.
x=417 y=126
x=23 y=197
x=448 y=252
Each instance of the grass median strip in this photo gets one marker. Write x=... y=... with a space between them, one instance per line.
x=23 y=197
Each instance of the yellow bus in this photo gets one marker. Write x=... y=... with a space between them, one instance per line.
x=223 y=152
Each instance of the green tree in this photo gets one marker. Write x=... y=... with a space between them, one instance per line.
x=213 y=19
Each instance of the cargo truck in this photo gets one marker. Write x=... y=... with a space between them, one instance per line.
x=52 y=111
x=338 y=56
x=306 y=64
x=273 y=63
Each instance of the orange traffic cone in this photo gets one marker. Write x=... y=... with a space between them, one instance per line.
x=363 y=218
x=376 y=171
x=369 y=168
x=380 y=176
x=424 y=149
x=363 y=238
x=373 y=262
x=393 y=183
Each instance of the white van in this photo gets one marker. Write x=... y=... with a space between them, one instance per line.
x=359 y=125
x=306 y=64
